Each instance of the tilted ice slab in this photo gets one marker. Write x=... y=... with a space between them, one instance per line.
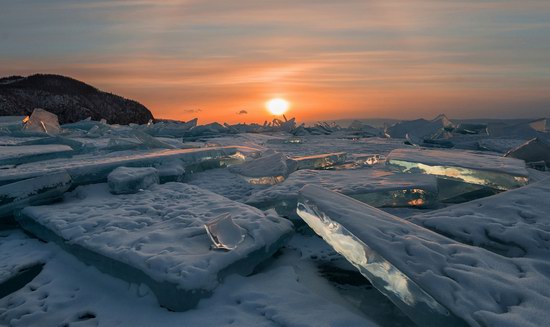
x=33 y=191
x=157 y=237
x=375 y=187
x=436 y=281
x=93 y=168
x=320 y=161
x=20 y=154
x=514 y=223
x=466 y=166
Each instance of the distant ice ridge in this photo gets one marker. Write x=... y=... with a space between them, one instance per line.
x=90 y=168
x=157 y=237
x=16 y=155
x=435 y=280
x=466 y=166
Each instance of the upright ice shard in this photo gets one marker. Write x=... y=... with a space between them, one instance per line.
x=33 y=191
x=157 y=237
x=20 y=154
x=320 y=161
x=128 y=180
x=467 y=166
x=375 y=187
x=435 y=280
x=533 y=151
x=43 y=121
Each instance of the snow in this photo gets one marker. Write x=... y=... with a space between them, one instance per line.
x=467 y=166
x=413 y=265
x=159 y=233
x=514 y=223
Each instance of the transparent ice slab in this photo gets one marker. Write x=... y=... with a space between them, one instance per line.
x=224 y=233
x=320 y=161
x=90 y=168
x=20 y=154
x=467 y=166
x=375 y=187
x=269 y=169
x=128 y=180
x=157 y=237
x=42 y=121
x=341 y=232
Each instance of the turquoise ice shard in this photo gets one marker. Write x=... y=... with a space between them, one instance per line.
x=33 y=191
x=466 y=166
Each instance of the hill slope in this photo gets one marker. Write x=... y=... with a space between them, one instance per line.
x=70 y=99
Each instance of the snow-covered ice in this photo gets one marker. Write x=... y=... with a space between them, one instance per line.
x=157 y=237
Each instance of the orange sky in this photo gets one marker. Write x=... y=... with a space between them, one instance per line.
x=331 y=60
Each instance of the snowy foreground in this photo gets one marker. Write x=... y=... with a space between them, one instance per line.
x=424 y=223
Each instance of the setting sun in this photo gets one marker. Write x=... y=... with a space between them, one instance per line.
x=277 y=106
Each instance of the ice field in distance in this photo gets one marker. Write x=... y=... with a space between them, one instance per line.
x=419 y=223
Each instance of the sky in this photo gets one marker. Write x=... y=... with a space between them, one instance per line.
x=221 y=60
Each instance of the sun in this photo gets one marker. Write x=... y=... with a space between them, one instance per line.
x=277 y=106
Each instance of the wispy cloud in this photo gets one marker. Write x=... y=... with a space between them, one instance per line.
x=349 y=58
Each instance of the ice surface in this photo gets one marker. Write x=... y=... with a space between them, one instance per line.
x=470 y=167
x=42 y=121
x=224 y=182
x=224 y=233
x=19 y=154
x=157 y=237
x=128 y=180
x=269 y=169
x=91 y=168
x=514 y=223
x=320 y=161
x=376 y=187
x=425 y=273
x=33 y=191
